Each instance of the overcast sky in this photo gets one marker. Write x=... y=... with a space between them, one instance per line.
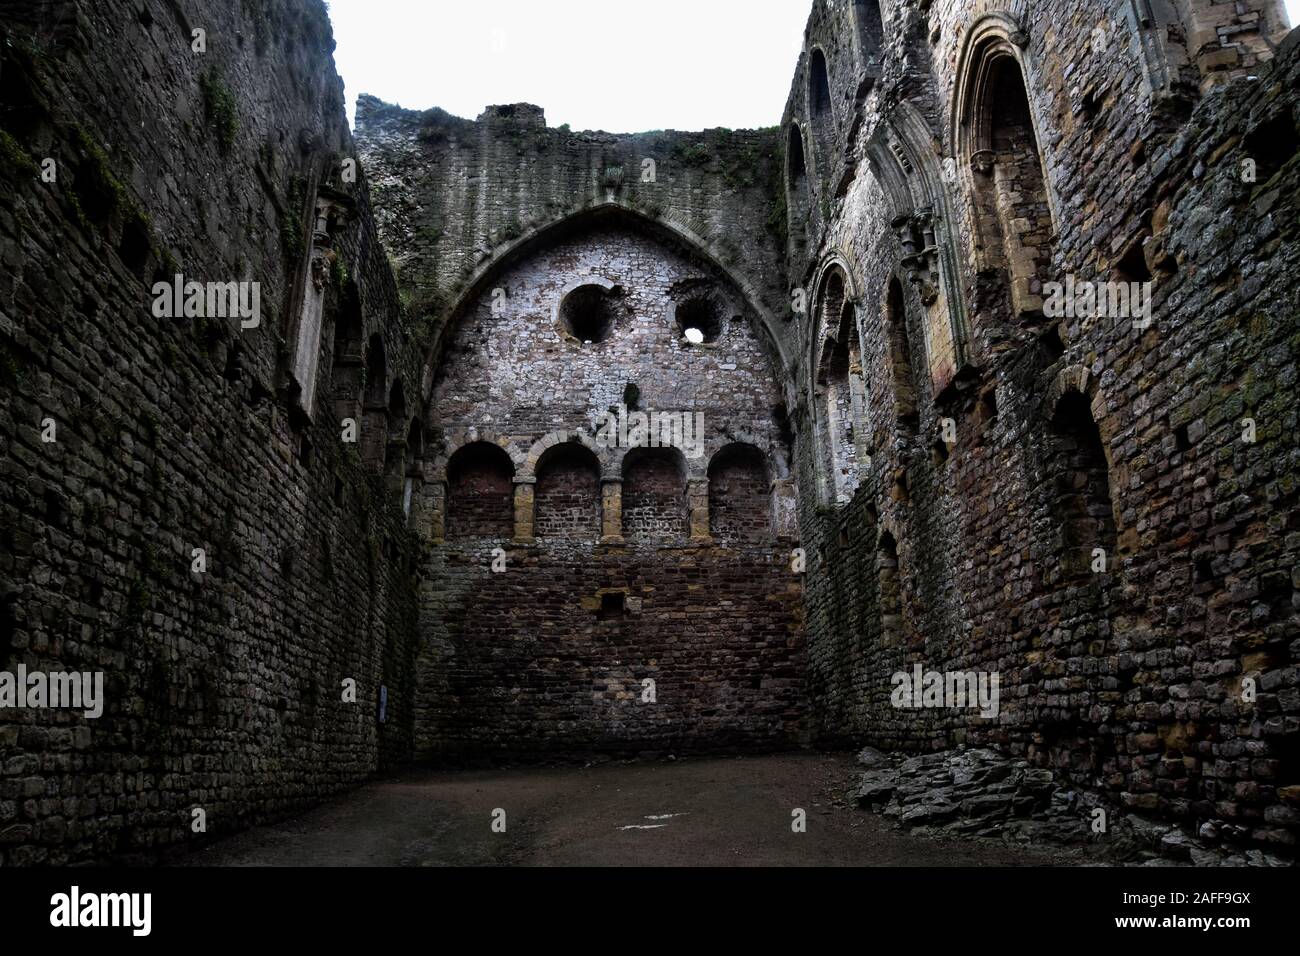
x=624 y=66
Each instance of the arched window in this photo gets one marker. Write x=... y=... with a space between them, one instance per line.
x=349 y=356
x=842 y=391
x=797 y=171
x=1079 y=476
x=819 y=110
x=871 y=31
x=654 y=495
x=414 y=467
x=888 y=590
x=567 y=496
x=480 y=492
x=819 y=85
x=900 y=355
x=396 y=453
x=1011 y=203
x=374 y=432
x=1024 y=216
x=740 y=495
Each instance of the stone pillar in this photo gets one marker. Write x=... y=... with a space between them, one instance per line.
x=697 y=496
x=524 y=510
x=611 y=511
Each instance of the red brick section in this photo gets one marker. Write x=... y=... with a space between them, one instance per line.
x=480 y=493
x=740 y=498
x=654 y=499
x=523 y=663
x=568 y=497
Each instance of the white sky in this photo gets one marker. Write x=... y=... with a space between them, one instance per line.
x=624 y=66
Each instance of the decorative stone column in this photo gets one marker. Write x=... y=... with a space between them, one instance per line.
x=524 y=510
x=697 y=497
x=611 y=511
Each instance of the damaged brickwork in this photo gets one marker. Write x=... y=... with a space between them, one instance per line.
x=224 y=688
x=401 y=475
x=979 y=152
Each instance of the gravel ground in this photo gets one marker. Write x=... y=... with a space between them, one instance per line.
x=701 y=812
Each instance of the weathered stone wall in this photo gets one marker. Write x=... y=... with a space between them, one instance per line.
x=223 y=688
x=881 y=356
x=453 y=195
x=609 y=577
x=1130 y=680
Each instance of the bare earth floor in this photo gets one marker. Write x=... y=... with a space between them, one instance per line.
x=732 y=811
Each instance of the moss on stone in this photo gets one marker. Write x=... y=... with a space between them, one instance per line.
x=17 y=164
x=12 y=374
x=94 y=184
x=339 y=274
x=219 y=108
x=292 y=240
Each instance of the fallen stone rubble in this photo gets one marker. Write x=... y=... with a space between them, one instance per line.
x=979 y=793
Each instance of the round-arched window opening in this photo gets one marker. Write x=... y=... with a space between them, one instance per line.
x=700 y=320
x=588 y=313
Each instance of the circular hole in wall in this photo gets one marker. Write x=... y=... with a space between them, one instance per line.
x=588 y=313
x=700 y=320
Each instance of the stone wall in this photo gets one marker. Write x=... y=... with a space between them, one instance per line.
x=223 y=687
x=453 y=196
x=399 y=479
x=1069 y=434
x=541 y=639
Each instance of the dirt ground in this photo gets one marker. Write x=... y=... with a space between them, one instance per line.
x=734 y=811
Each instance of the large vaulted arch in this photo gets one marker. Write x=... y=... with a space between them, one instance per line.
x=667 y=230
x=631 y=381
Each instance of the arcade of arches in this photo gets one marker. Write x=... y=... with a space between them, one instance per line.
x=573 y=443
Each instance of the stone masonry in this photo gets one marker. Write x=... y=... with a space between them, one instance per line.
x=420 y=508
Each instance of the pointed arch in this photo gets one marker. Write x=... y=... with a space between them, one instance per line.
x=821 y=113
x=888 y=589
x=797 y=191
x=395 y=455
x=839 y=388
x=899 y=351
x=916 y=187
x=1078 y=477
x=998 y=141
x=413 y=477
x=666 y=229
